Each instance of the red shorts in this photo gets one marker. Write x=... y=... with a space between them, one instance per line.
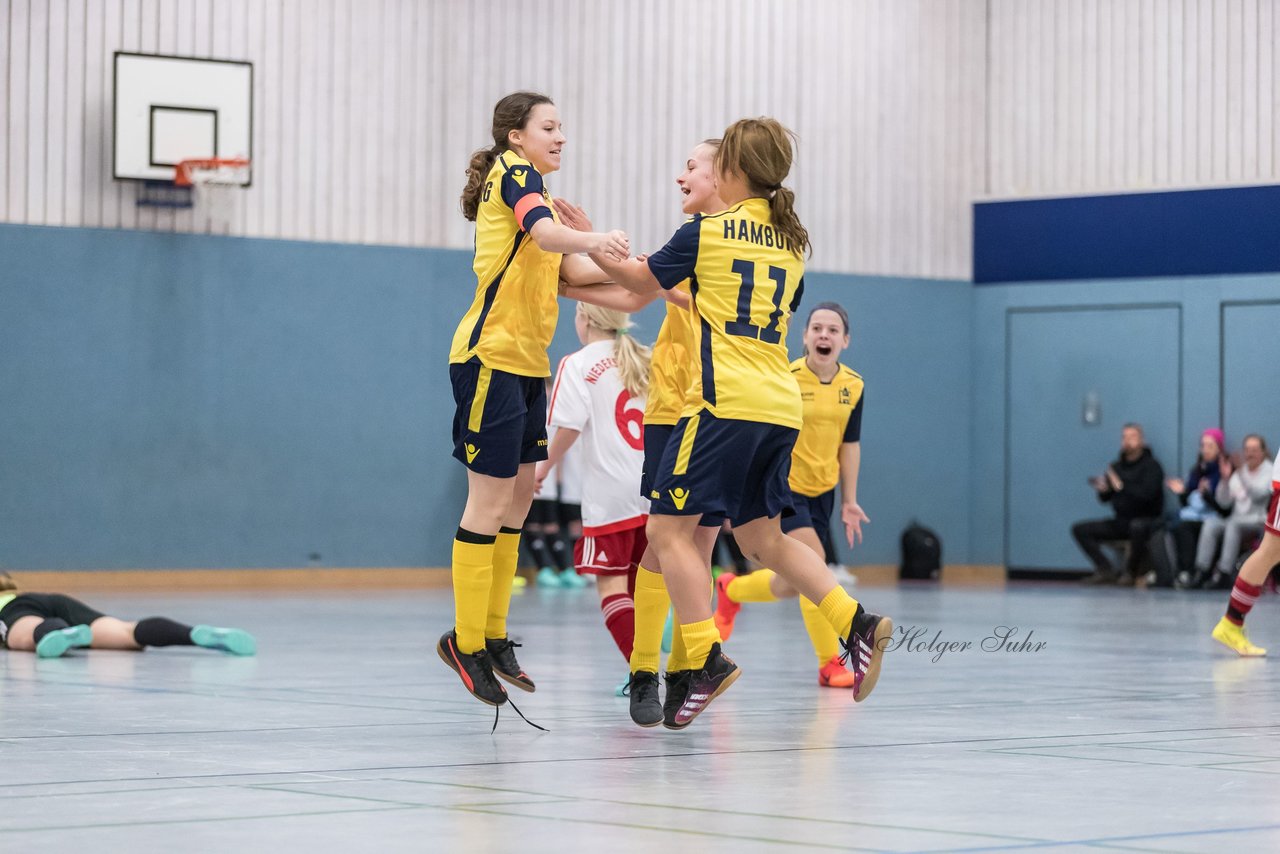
x=615 y=553
x=1273 y=511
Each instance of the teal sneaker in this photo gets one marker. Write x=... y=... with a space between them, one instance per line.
x=55 y=644
x=571 y=579
x=667 y=631
x=549 y=578
x=234 y=641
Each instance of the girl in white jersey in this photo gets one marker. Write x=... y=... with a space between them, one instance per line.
x=599 y=394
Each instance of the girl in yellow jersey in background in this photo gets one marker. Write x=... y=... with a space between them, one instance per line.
x=731 y=453
x=828 y=452
x=497 y=364
x=670 y=383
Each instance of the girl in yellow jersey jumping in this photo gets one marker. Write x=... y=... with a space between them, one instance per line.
x=731 y=453
x=497 y=365
x=828 y=452
x=670 y=383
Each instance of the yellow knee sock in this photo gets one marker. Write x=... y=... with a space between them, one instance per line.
x=652 y=603
x=679 y=657
x=472 y=578
x=698 y=638
x=506 y=554
x=753 y=587
x=826 y=643
x=839 y=607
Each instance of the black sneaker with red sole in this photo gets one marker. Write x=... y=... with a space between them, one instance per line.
x=503 y=658
x=475 y=670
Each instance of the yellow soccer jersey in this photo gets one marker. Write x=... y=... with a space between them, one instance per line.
x=513 y=316
x=745 y=285
x=671 y=370
x=832 y=416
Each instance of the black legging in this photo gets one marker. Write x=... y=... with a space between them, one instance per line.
x=1090 y=534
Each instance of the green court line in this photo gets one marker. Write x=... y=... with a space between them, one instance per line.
x=1018 y=752
x=646 y=756
x=513 y=803
x=1152 y=747
x=1242 y=768
x=251 y=693
x=673 y=830
x=740 y=813
x=274 y=788
x=184 y=732
x=270 y=787
x=179 y=821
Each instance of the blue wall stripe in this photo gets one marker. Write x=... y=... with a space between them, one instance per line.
x=1179 y=233
x=183 y=400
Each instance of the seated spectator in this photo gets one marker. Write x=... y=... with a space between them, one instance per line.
x=1131 y=485
x=1198 y=494
x=1245 y=491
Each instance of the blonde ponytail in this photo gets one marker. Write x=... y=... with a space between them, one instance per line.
x=631 y=356
x=633 y=363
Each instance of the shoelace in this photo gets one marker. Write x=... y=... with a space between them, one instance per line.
x=504 y=646
x=631 y=683
x=863 y=660
x=497 y=710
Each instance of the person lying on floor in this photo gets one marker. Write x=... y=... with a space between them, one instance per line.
x=50 y=624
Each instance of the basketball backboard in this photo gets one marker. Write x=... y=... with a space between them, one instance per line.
x=170 y=108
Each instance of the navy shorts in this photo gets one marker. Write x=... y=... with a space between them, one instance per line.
x=45 y=606
x=500 y=421
x=656 y=437
x=737 y=469
x=811 y=512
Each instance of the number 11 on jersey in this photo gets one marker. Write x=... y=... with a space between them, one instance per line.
x=742 y=325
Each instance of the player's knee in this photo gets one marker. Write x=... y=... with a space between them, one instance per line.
x=761 y=545
x=781 y=588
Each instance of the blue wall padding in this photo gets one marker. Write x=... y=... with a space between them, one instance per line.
x=1175 y=233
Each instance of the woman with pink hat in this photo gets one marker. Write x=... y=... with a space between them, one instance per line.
x=1197 y=494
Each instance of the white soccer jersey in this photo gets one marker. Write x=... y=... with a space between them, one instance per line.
x=588 y=396
x=570 y=469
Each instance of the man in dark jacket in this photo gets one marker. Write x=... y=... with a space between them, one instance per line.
x=1134 y=486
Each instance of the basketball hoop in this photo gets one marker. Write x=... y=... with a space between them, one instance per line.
x=211 y=182
x=203 y=172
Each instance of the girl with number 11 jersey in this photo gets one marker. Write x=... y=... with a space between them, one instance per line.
x=731 y=451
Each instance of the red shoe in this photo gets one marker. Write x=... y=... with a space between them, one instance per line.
x=834 y=675
x=726 y=609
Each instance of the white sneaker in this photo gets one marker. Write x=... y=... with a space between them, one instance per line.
x=843 y=576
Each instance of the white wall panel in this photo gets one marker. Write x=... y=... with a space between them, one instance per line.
x=1144 y=93
x=365 y=111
